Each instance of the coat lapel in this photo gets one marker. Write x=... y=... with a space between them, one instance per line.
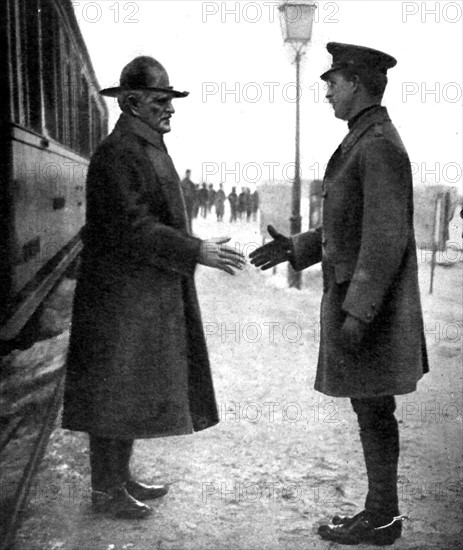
x=164 y=168
x=170 y=182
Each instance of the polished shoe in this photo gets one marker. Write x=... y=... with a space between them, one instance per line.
x=362 y=529
x=140 y=491
x=120 y=503
x=340 y=520
x=101 y=501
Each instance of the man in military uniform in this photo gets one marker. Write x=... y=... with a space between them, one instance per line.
x=372 y=340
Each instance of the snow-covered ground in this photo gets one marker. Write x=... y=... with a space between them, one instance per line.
x=284 y=458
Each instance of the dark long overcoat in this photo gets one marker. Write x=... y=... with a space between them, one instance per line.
x=368 y=253
x=137 y=365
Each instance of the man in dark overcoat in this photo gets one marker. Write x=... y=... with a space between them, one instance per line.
x=372 y=340
x=220 y=203
x=138 y=365
x=255 y=204
x=203 y=195
x=242 y=203
x=211 y=192
x=233 y=199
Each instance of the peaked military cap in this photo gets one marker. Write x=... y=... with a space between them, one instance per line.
x=143 y=73
x=352 y=56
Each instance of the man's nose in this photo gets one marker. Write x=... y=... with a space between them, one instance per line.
x=170 y=107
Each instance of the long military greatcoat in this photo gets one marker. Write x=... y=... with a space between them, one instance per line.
x=137 y=365
x=368 y=253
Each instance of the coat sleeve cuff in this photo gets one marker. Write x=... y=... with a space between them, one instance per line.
x=186 y=260
x=306 y=250
x=362 y=301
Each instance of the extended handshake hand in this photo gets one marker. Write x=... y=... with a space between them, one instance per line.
x=273 y=253
x=215 y=254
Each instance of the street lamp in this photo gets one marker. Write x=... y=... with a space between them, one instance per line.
x=296 y=24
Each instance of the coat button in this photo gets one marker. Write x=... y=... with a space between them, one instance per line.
x=325 y=194
x=324 y=242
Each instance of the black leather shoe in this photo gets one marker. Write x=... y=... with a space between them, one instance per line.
x=340 y=520
x=120 y=503
x=361 y=529
x=140 y=491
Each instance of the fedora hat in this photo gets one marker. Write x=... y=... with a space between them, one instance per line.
x=143 y=73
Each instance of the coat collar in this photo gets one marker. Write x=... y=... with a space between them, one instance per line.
x=369 y=118
x=127 y=123
x=163 y=165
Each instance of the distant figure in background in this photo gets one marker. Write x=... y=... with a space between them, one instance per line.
x=255 y=204
x=249 y=204
x=233 y=200
x=210 y=197
x=138 y=365
x=372 y=342
x=196 y=201
x=220 y=203
x=189 y=192
x=242 y=203
x=203 y=195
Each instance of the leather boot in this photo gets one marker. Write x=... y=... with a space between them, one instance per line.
x=115 y=498
x=99 y=462
x=100 y=474
x=139 y=491
x=364 y=528
x=379 y=434
x=125 y=506
x=380 y=523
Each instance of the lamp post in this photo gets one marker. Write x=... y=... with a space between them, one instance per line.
x=296 y=24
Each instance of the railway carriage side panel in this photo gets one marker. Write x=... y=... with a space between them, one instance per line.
x=54 y=120
x=50 y=121
x=48 y=205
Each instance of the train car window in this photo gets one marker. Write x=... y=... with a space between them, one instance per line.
x=74 y=110
x=96 y=130
x=66 y=91
x=69 y=91
x=15 y=56
x=25 y=64
x=32 y=95
x=84 y=118
x=60 y=99
x=50 y=69
x=45 y=63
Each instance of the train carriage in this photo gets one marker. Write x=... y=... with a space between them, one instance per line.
x=51 y=119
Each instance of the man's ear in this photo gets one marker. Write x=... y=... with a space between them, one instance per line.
x=355 y=82
x=133 y=103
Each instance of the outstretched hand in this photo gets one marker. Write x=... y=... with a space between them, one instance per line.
x=272 y=253
x=215 y=254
